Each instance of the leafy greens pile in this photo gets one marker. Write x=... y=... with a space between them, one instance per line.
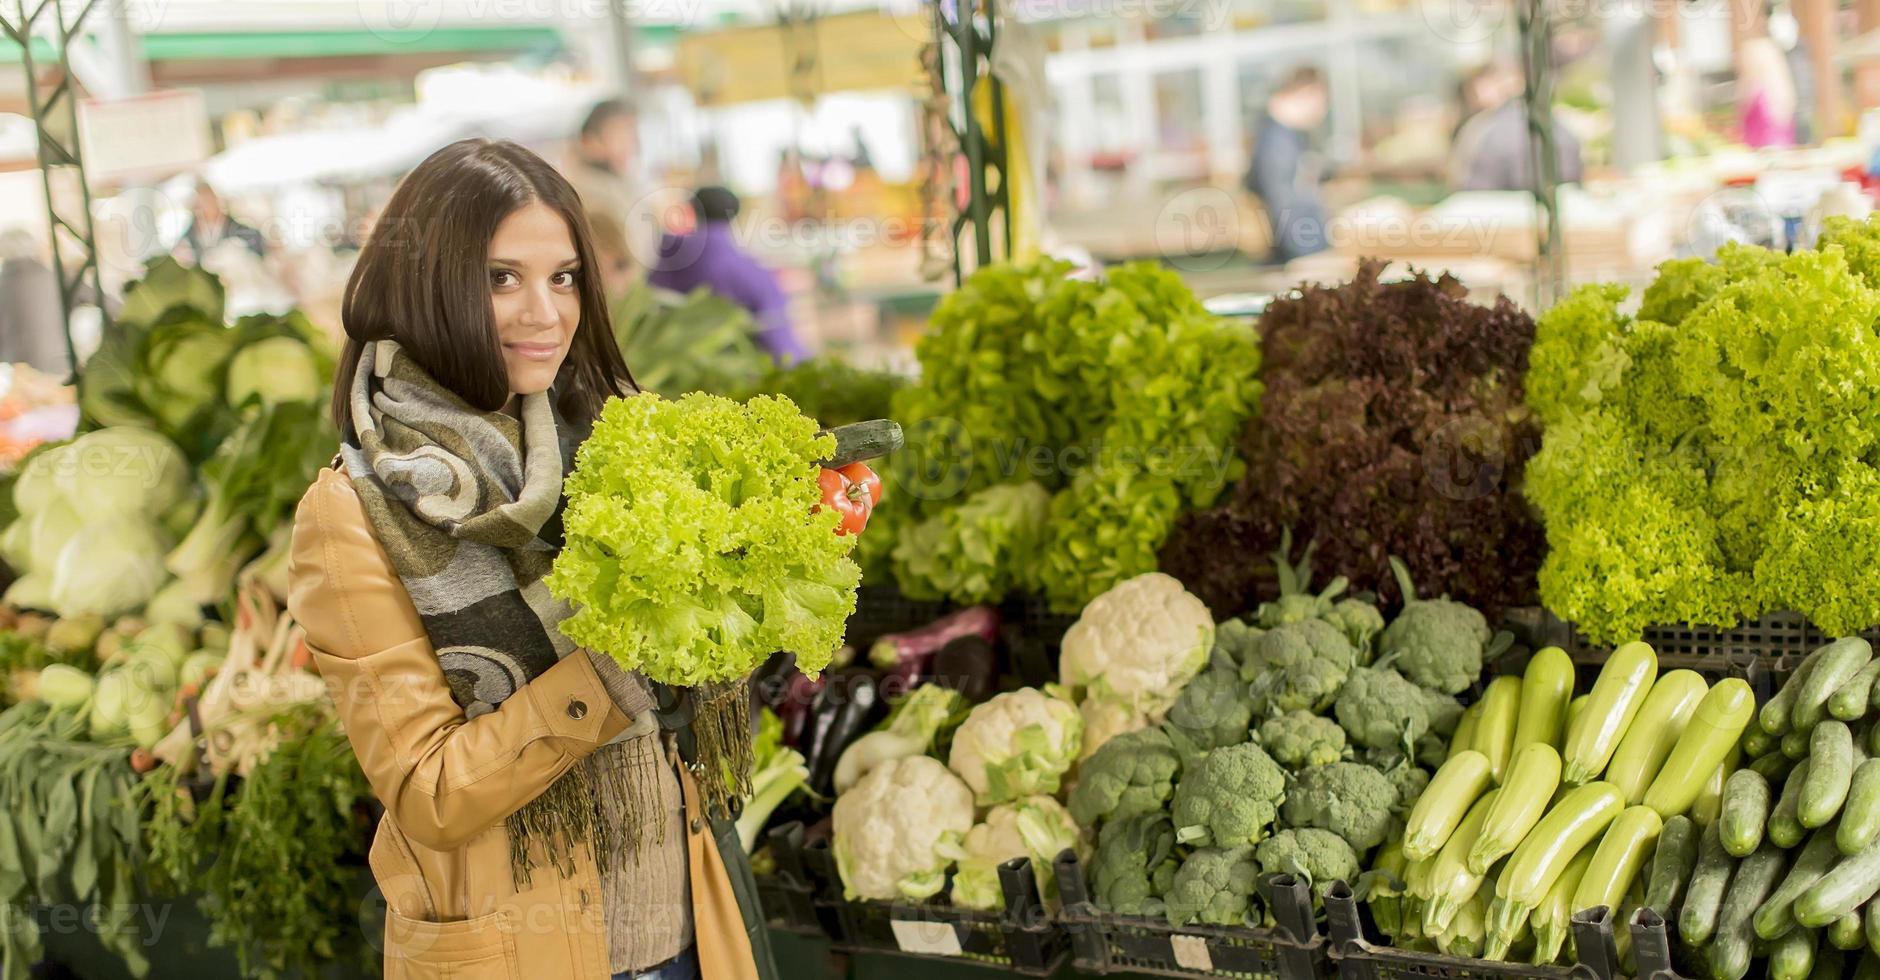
x=1718 y=454
x=1393 y=424
x=1117 y=400
x=694 y=546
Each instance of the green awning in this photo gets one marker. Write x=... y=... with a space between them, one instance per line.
x=225 y=46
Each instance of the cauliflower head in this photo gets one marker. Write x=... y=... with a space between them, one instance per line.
x=1134 y=864
x=892 y=831
x=1320 y=855
x=1298 y=667
x=1105 y=720
x=1349 y=799
x=1230 y=798
x=1214 y=886
x=1298 y=739
x=1036 y=827
x=1138 y=643
x=1382 y=709
x=1132 y=774
x=1020 y=743
x=1213 y=710
x=1438 y=643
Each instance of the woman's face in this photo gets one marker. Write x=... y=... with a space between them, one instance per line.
x=535 y=295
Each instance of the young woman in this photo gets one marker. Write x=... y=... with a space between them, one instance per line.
x=537 y=824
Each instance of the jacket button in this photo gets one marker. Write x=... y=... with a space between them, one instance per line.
x=697 y=825
x=577 y=709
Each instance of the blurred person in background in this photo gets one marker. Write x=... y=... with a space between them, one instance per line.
x=1491 y=151
x=604 y=173
x=210 y=225
x=32 y=325
x=1285 y=174
x=1765 y=94
x=611 y=253
x=710 y=256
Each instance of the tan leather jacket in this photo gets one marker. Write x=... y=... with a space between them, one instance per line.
x=441 y=855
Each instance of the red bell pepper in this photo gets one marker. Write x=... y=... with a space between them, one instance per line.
x=849 y=496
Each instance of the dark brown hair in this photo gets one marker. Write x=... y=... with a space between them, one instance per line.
x=423 y=280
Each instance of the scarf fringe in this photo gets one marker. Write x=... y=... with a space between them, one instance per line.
x=722 y=724
x=604 y=804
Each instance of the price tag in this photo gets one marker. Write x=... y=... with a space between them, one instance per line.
x=929 y=938
x=1191 y=953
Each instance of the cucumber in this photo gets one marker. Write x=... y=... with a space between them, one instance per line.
x=1754 y=878
x=1835 y=665
x=1774 y=766
x=1707 y=742
x=1617 y=695
x=1747 y=800
x=1845 y=933
x=1785 y=823
x=1872 y=922
x=1868 y=969
x=1774 y=717
x=1776 y=917
x=1830 y=773
x=1546 y=689
x=1843 y=889
x=1873 y=739
x=860 y=441
x=1860 y=818
x=1756 y=741
x=1703 y=896
x=1793 y=956
x=1672 y=865
x=1856 y=696
x=1795 y=744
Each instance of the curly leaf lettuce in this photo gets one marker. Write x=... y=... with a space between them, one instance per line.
x=694 y=547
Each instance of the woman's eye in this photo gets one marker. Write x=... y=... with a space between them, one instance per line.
x=565 y=279
x=502 y=277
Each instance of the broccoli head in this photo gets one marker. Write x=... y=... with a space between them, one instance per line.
x=1230 y=798
x=1134 y=864
x=1361 y=622
x=1234 y=640
x=1298 y=666
x=1403 y=773
x=1298 y=739
x=1133 y=773
x=1215 y=886
x=1351 y=800
x=1295 y=601
x=1319 y=855
x=1381 y=709
x=1438 y=643
x=1213 y=710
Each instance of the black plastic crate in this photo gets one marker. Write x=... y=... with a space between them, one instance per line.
x=788 y=896
x=1033 y=636
x=1105 y=943
x=1024 y=938
x=1359 y=958
x=882 y=609
x=1775 y=638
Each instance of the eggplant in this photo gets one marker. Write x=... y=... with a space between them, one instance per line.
x=909 y=656
x=968 y=665
x=799 y=699
x=847 y=707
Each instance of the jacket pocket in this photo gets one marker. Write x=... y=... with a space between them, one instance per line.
x=481 y=948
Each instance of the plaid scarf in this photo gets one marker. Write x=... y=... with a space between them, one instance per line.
x=468 y=505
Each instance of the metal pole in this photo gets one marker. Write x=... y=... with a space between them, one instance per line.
x=627 y=79
x=1537 y=65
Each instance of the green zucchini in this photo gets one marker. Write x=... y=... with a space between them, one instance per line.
x=1830 y=773
x=1672 y=864
x=1785 y=823
x=1860 y=818
x=1703 y=897
x=1845 y=933
x=859 y=441
x=1793 y=956
x=1836 y=664
x=1747 y=800
x=1755 y=877
x=1856 y=696
x=1846 y=887
x=1776 y=917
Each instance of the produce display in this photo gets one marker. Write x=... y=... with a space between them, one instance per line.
x=1714 y=456
x=675 y=344
x=1392 y=424
x=1058 y=428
